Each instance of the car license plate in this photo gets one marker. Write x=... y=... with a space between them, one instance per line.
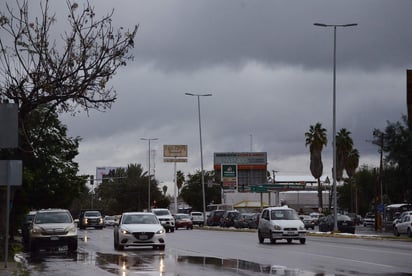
x=143 y=237
x=54 y=238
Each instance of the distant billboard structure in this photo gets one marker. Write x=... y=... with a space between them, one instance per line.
x=103 y=172
x=251 y=168
x=175 y=153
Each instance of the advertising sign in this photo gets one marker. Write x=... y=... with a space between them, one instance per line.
x=229 y=176
x=174 y=150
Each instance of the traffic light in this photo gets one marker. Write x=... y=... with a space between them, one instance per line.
x=91 y=179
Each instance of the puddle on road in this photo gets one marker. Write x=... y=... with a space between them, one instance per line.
x=150 y=263
x=145 y=263
x=163 y=264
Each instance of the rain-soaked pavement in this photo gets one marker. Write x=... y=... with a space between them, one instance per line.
x=96 y=256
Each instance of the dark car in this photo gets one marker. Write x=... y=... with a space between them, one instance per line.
x=308 y=221
x=91 y=218
x=345 y=224
x=227 y=220
x=247 y=220
x=214 y=217
x=253 y=221
x=183 y=221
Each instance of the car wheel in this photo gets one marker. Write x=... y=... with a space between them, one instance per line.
x=302 y=241
x=395 y=232
x=261 y=239
x=409 y=233
x=272 y=241
x=289 y=240
x=172 y=230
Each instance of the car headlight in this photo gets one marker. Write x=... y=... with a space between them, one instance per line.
x=302 y=227
x=277 y=227
x=36 y=229
x=101 y=221
x=161 y=231
x=85 y=221
x=124 y=232
x=72 y=228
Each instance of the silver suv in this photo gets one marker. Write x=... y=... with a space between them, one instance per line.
x=165 y=218
x=53 y=228
x=277 y=223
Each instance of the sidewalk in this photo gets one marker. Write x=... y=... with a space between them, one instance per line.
x=12 y=269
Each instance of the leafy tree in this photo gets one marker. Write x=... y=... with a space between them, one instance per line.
x=127 y=190
x=316 y=139
x=192 y=192
x=50 y=174
x=44 y=75
x=396 y=143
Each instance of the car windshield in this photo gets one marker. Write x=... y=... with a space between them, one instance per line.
x=53 y=217
x=283 y=215
x=92 y=214
x=139 y=219
x=161 y=212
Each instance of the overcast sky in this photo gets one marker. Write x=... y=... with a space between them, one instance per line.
x=270 y=71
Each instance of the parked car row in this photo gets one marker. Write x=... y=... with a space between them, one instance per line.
x=233 y=218
x=345 y=224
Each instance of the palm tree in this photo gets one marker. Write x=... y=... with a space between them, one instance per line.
x=352 y=163
x=344 y=144
x=316 y=138
x=180 y=179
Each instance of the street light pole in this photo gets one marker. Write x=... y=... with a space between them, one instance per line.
x=148 y=192
x=201 y=152
x=335 y=202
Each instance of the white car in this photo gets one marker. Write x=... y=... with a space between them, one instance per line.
x=139 y=229
x=277 y=223
x=165 y=218
x=197 y=218
x=404 y=226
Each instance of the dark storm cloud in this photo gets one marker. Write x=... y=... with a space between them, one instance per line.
x=269 y=70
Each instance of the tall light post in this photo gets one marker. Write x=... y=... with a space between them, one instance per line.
x=335 y=202
x=148 y=192
x=201 y=152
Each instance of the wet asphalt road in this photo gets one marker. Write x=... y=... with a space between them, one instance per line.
x=200 y=252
